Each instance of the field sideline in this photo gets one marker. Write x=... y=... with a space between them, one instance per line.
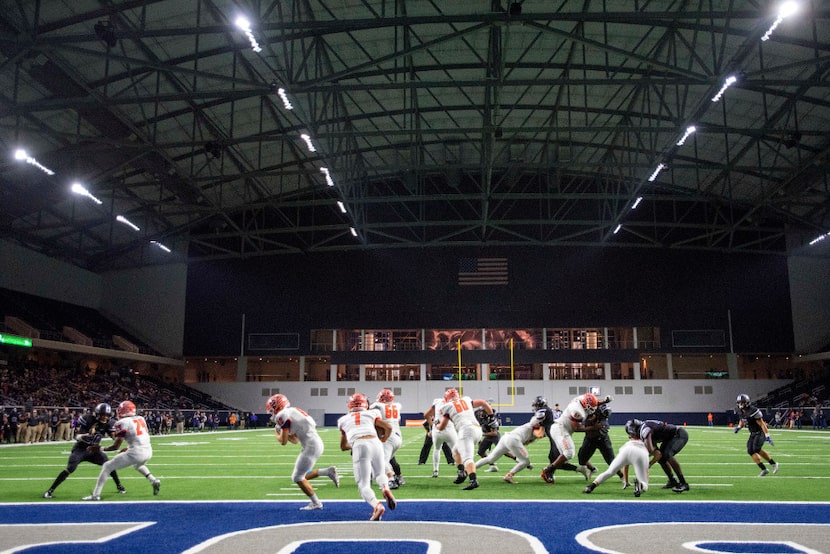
x=251 y=466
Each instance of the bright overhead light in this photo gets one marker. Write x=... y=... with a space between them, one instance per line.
x=637 y=202
x=353 y=231
x=325 y=171
x=617 y=230
x=79 y=189
x=127 y=222
x=245 y=25
x=660 y=167
x=341 y=206
x=22 y=156
x=160 y=245
x=785 y=10
x=726 y=84
x=308 y=142
x=819 y=238
x=689 y=131
x=285 y=101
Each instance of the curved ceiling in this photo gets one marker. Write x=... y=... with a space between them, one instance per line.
x=479 y=123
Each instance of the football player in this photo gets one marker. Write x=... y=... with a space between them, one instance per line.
x=596 y=438
x=92 y=427
x=514 y=443
x=753 y=417
x=460 y=411
x=572 y=420
x=440 y=437
x=633 y=452
x=390 y=411
x=296 y=426
x=133 y=429
x=671 y=440
x=359 y=432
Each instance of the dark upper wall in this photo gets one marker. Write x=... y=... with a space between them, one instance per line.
x=567 y=287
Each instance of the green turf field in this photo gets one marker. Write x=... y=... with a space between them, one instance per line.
x=251 y=465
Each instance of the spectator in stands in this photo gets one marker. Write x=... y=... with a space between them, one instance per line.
x=232 y=421
x=779 y=419
x=5 y=429
x=179 y=420
x=64 y=431
x=32 y=420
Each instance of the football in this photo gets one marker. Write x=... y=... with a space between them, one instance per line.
x=381 y=431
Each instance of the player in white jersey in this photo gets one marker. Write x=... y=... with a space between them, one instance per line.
x=133 y=429
x=296 y=426
x=460 y=410
x=635 y=453
x=514 y=442
x=447 y=435
x=571 y=421
x=390 y=412
x=363 y=431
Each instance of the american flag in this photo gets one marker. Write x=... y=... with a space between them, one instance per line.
x=482 y=271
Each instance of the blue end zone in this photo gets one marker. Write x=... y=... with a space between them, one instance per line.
x=545 y=526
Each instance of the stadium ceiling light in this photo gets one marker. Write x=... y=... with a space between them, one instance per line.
x=660 y=167
x=308 y=142
x=245 y=25
x=329 y=180
x=160 y=245
x=286 y=102
x=22 y=156
x=341 y=206
x=637 y=202
x=353 y=231
x=689 y=131
x=617 y=230
x=79 y=189
x=819 y=239
x=127 y=222
x=785 y=10
x=726 y=84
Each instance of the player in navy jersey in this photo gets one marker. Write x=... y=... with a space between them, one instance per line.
x=92 y=427
x=753 y=418
x=663 y=441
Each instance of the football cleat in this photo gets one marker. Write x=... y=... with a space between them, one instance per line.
x=401 y=480
x=774 y=469
x=585 y=472
x=509 y=479
x=392 y=484
x=334 y=477
x=589 y=489
x=48 y=494
x=462 y=476
x=156 y=487
x=377 y=513
x=312 y=506
x=671 y=484
x=548 y=477
x=91 y=497
x=626 y=484
x=122 y=490
x=637 y=489
x=493 y=468
x=435 y=473
x=764 y=473
x=472 y=485
x=390 y=499
x=682 y=487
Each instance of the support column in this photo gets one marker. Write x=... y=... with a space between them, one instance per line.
x=241 y=369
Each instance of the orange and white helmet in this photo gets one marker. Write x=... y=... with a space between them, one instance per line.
x=589 y=402
x=125 y=409
x=386 y=395
x=451 y=395
x=276 y=404
x=358 y=401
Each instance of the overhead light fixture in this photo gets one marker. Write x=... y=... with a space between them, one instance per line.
x=329 y=180
x=660 y=167
x=308 y=142
x=819 y=239
x=285 y=101
x=245 y=25
x=786 y=9
x=726 y=84
x=79 y=189
x=127 y=222
x=22 y=156
x=689 y=131
x=637 y=202
x=160 y=245
x=342 y=206
x=617 y=230
x=353 y=231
